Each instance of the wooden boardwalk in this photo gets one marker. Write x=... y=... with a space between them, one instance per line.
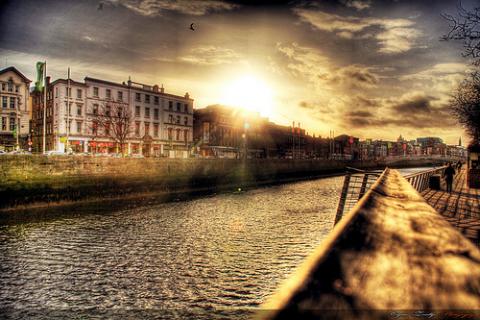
x=461 y=207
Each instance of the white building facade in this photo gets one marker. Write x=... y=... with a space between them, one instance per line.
x=161 y=124
x=14 y=113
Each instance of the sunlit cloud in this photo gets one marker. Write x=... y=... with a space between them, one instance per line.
x=153 y=8
x=357 y=4
x=210 y=55
x=393 y=36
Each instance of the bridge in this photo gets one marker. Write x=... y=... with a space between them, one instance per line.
x=398 y=249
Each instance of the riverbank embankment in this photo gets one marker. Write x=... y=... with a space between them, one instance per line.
x=36 y=181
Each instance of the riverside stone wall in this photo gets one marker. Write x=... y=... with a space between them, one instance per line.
x=35 y=178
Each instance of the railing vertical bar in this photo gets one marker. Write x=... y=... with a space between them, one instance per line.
x=363 y=186
x=343 y=198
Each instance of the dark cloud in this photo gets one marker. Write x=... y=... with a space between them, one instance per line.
x=419 y=104
x=408 y=111
x=351 y=77
x=306 y=105
x=360 y=114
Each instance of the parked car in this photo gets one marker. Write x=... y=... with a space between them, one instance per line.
x=55 y=153
x=19 y=152
x=136 y=155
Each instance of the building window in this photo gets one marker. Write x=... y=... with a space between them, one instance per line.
x=137 y=111
x=137 y=96
x=155 y=130
x=56 y=92
x=147 y=128
x=147 y=98
x=17 y=88
x=79 y=93
x=170 y=105
x=79 y=127
x=170 y=133
x=68 y=109
x=185 y=135
x=95 y=109
x=79 y=109
x=68 y=92
x=95 y=91
x=120 y=96
x=185 y=121
x=155 y=114
x=94 y=128
x=3 y=86
x=12 y=103
x=170 y=118
x=137 y=128
x=12 y=124
x=108 y=110
x=10 y=86
x=147 y=112
x=107 y=129
x=4 y=123
x=4 y=102
x=178 y=106
x=178 y=119
x=186 y=107
x=178 y=134
x=155 y=100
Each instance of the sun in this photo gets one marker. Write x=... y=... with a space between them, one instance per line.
x=249 y=92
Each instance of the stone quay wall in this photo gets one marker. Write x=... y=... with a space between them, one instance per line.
x=33 y=179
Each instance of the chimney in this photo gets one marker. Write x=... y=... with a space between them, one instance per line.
x=162 y=90
x=47 y=80
x=155 y=88
x=187 y=96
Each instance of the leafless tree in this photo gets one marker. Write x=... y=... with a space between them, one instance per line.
x=113 y=120
x=465 y=104
x=465 y=26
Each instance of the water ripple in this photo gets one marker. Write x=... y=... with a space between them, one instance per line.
x=225 y=252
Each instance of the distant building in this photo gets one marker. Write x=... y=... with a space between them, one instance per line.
x=14 y=119
x=161 y=124
x=224 y=132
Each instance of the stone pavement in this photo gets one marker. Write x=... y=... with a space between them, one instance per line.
x=461 y=207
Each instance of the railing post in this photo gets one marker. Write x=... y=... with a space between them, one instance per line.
x=363 y=186
x=343 y=198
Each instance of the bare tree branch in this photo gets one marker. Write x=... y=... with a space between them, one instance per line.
x=465 y=105
x=113 y=120
x=465 y=27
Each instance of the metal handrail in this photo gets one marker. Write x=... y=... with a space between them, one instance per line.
x=356 y=184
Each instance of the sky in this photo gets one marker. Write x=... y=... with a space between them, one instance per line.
x=369 y=68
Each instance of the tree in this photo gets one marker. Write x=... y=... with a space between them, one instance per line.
x=466 y=27
x=465 y=102
x=465 y=105
x=115 y=121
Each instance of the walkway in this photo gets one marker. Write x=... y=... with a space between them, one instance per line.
x=461 y=207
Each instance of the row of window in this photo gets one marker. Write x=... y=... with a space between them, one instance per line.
x=156 y=112
x=8 y=124
x=11 y=102
x=176 y=120
x=9 y=86
x=108 y=93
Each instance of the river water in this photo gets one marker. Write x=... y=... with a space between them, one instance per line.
x=218 y=256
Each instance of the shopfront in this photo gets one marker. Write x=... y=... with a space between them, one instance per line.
x=101 y=147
